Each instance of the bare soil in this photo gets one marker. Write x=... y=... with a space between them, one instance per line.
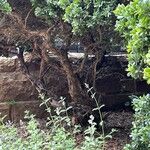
x=122 y=122
x=120 y=138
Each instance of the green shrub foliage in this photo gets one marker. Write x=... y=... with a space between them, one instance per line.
x=4 y=6
x=133 y=22
x=140 y=134
x=82 y=15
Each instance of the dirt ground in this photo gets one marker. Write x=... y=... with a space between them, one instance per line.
x=120 y=138
x=122 y=122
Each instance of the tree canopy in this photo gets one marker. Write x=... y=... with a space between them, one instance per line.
x=82 y=15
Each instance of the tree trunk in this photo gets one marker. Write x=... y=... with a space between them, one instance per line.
x=78 y=95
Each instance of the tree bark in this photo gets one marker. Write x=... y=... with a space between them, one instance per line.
x=77 y=93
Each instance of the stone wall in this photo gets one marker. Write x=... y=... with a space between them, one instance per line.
x=17 y=94
x=13 y=84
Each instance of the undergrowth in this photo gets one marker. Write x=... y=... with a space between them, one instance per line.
x=59 y=132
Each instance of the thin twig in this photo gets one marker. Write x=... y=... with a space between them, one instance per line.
x=26 y=19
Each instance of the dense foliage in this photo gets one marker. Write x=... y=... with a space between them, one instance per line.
x=140 y=134
x=133 y=22
x=82 y=15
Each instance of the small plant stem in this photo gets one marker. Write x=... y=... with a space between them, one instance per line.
x=100 y=115
x=49 y=112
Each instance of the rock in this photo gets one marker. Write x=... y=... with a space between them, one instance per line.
x=15 y=111
x=14 y=85
x=8 y=64
x=128 y=85
x=142 y=87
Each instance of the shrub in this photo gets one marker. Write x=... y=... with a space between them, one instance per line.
x=133 y=22
x=140 y=135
